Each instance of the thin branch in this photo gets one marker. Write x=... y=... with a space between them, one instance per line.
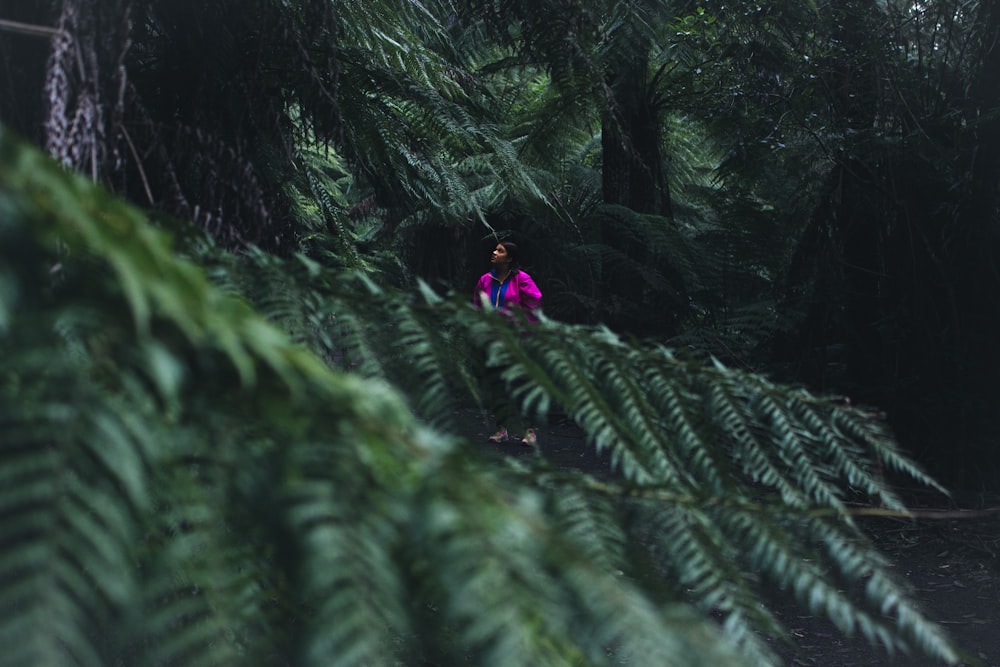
x=29 y=28
x=138 y=164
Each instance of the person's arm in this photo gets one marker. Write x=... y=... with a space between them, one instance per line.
x=482 y=285
x=531 y=296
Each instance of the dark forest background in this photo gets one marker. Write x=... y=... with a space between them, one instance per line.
x=800 y=198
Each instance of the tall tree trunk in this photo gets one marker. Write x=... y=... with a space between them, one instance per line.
x=979 y=211
x=631 y=140
x=972 y=244
x=85 y=86
x=855 y=207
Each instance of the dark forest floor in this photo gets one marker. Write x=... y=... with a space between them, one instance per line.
x=952 y=564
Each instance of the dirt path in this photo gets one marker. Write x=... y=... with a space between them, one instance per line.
x=952 y=567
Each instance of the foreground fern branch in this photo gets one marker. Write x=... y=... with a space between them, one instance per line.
x=184 y=484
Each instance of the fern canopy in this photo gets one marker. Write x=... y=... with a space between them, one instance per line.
x=187 y=482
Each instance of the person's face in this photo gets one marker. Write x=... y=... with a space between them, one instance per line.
x=499 y=256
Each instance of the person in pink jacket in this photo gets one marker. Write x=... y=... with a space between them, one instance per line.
x=507 y=287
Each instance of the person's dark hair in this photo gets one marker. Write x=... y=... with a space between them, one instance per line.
x=512 y=254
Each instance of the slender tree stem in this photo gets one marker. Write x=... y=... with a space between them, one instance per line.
x=28 y=28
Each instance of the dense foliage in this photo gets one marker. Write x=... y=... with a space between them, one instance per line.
x=243 y=454
x=185 y=485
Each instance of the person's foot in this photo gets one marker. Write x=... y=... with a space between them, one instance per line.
x=530 y=438
x=500 y=436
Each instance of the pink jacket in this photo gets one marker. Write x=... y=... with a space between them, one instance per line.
x=518 y=290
